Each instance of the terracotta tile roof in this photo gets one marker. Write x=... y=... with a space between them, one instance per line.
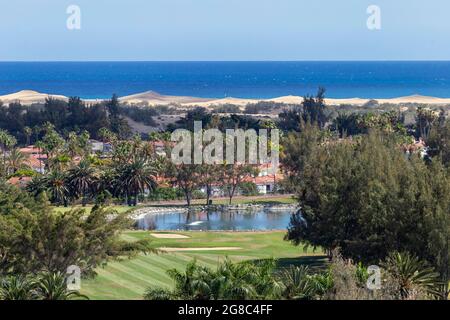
x=19 y=181
x=416 y=146
x=30 y=150
x=35 y=163
x=35 y=159
x=266 y=179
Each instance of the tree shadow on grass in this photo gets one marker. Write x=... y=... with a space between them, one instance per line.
x=316 y=263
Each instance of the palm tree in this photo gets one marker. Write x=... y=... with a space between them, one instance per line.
x=36 y=131
x=16 y=160
x=424 y=121
x=82 y=180
x=53 y=286
x=106 y=184
x=230 y=281
x=245 y=281
x=297 y=284
x=323 y=283
x=28 y=132
x=73 y=146
x=40 y=146
x=412 y=274
x=37 y=185
x=45 y=286
x=134 y=177
x=6 y=142
x=57 y=187
x=158 y=294
x=192 y=284
x=52 y=144
x=17 y=288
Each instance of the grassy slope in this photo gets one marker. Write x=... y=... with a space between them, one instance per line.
x=129 y=278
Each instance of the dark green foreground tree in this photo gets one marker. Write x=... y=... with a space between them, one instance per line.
x=35 y=238
x=367 y=198
x=438 y=140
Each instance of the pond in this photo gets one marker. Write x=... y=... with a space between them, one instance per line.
x=261 y=219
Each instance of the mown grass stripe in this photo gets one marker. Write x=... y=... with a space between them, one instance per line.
x=106 y=287
x=165 y=261
x=144 y=279
x=117 y=278
x=186 y=257
x=129 y=280
x=150 y=270
x=183 y=259
x=154 y=275
x=106 y=290
x=212 y=259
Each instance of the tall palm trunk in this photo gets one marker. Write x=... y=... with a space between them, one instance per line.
x=208 y=194
x=84 y=199
x=188 y=199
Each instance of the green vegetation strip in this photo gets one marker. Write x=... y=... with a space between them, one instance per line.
x=261 y=200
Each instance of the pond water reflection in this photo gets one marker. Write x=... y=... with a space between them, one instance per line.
x=261 y=219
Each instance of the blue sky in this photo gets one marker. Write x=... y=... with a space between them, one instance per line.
x=224 y=30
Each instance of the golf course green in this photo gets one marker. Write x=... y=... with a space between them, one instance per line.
x=128 y=278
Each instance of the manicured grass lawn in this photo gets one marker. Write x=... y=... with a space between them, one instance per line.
x=88 y=208
x=268 y=200
x=128 y=279
x=264 y=200
x=259 y=200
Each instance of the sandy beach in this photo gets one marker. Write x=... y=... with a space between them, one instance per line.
x=28 y=97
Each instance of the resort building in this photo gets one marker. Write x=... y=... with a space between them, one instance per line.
x=35 y=158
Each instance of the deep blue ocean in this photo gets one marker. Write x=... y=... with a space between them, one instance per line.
x=224 y=79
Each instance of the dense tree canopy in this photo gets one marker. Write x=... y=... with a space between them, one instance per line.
x=312 y=109
x=34 y=237
x=438 y=141
x=74 y=115
x=368 y=198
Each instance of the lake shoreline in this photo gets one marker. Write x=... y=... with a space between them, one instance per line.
x=248 y=217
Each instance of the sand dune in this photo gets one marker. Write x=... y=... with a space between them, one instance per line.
x=29 y=97
x=152 y=98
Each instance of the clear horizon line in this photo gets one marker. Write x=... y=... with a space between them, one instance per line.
x=247 y=61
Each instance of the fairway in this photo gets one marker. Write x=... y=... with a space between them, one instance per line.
x=128 y=279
